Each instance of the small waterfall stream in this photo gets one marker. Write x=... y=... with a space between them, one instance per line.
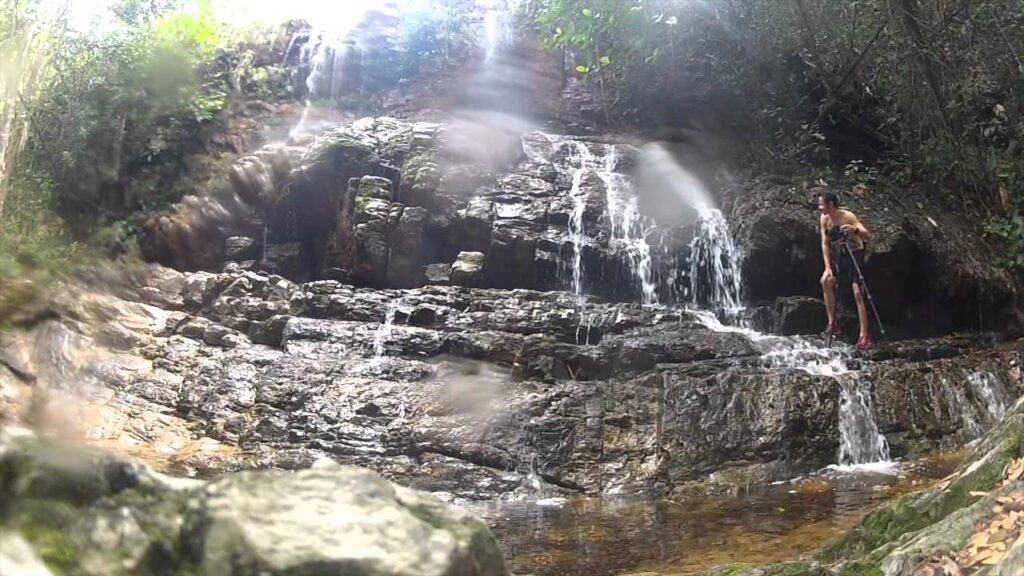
x=860 y=442
x=989 y=393
x=585 y=162
x=715 y=280
x=963 y=409
x=380 y=339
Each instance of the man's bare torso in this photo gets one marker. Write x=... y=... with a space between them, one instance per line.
x=841 y=218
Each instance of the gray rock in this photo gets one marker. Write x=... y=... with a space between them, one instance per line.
x=240 y=249
x=17 y=558
x=375 y=187
x=330 y=519
x=287 y=260
x=437 y=274
x=110 y=542
x=333 y=519
x=468 y=269
x=799 y=315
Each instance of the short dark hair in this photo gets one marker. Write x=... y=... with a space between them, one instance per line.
x=829 y=197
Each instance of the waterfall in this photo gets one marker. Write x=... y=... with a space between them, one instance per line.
x=785 y=352
x=714 y=264
x=326 y=54
x=628 y=227
x=498 y=32
x=859 y=439
x=963 y=409
x=583 y=159
x=385 y=330
x=989 y=393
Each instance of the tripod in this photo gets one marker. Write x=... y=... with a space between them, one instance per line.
x=863 y=287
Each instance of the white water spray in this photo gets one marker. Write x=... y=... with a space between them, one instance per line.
x=629 y=228
x=385 y=331
x=959 y=404
x=860 y=442
x=989 y=393
x=715 y=264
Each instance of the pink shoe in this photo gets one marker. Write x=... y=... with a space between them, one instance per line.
x=831 y=331
x=865 y=343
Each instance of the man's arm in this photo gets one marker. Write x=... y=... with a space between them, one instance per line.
x=826 y=253
x=857 y=228
x=862 y=230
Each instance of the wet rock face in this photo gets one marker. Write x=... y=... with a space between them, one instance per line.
x=468 y=391
x=928 y=275
x=378 y=200
x=130 y=520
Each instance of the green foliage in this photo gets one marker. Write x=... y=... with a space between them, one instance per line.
x=121 y=98
x=33 y=241
x=1008 y=230
x=917 y=91
x=432 y=32
x=609 y=42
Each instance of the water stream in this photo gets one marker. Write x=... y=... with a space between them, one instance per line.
x=606 y=536
x=963 y=409
x=989 y=393
x=860 y=442
x=380 y=339
x=585 y=164
x=715 y=280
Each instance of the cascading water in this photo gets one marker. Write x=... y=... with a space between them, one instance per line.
x=715 y=280
x=959 y=404
x=628 y=227
x=326 y=53
x=785 y=352
x=989 y=393
x=497 y=27
x=860 y=442
x=384 y=332
x=583 y=160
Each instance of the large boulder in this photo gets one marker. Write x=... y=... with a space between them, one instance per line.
x=334 y=519
x=799 y=315
x=468 y=269
x=96 y=514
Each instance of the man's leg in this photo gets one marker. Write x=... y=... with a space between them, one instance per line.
x=828 y=288
x=862 y=311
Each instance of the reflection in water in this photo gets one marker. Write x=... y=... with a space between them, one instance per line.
x=600 y=537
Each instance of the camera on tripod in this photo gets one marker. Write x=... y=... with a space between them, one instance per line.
x=835 y=234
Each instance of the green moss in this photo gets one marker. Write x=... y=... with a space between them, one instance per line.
x=729 y=570
x=53 y=548
x=783 y=569
x=916 y=511
x=860 y=569
x=42 y=523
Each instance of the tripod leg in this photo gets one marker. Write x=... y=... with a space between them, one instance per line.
x=864 y=287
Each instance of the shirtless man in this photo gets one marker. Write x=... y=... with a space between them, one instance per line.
x=842 y=271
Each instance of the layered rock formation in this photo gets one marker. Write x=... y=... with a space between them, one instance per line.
x=467 y=391
x=388 y=204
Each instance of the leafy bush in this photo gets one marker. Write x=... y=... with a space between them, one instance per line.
x=432 y=32
x=117 y=100
x=1008 y=230
x=926 y=88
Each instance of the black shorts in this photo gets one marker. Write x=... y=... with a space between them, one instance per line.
x=846 y=274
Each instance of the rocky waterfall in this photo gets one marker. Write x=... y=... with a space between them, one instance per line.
x=487 y=359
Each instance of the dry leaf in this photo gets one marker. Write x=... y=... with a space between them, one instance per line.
x=981 y=556
x=975 y=493
x=1014 y=470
